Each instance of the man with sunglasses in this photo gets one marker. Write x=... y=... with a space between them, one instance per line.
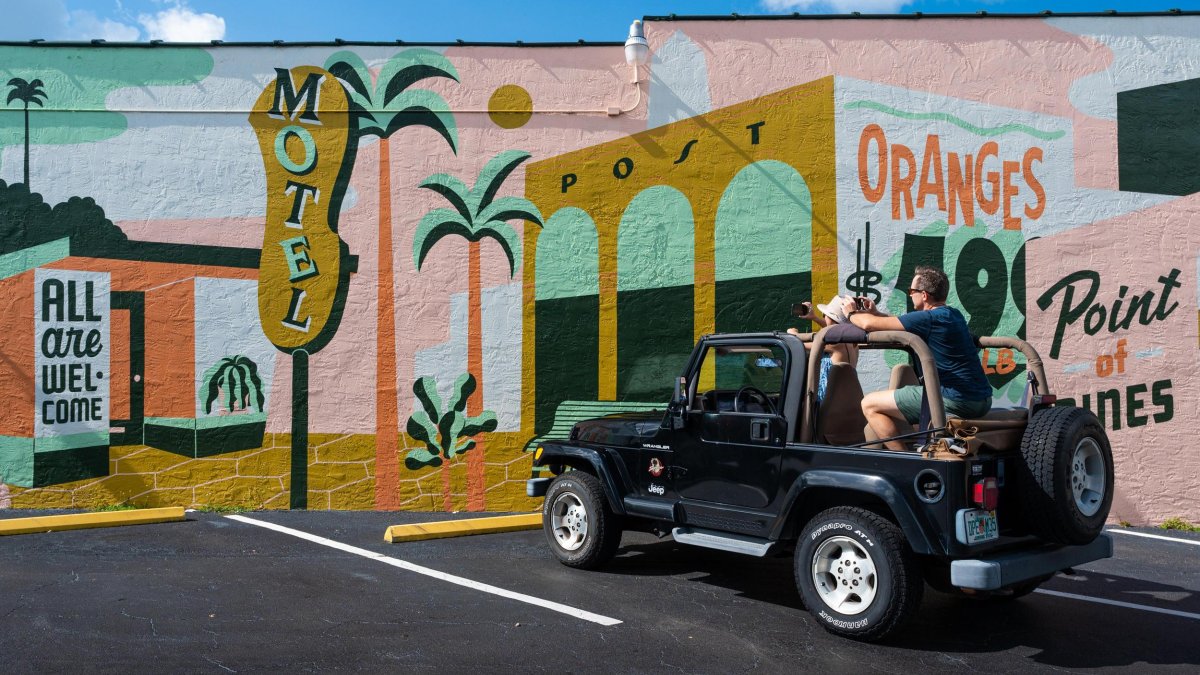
x=965 y=388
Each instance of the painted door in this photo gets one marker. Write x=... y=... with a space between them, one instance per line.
x=127 y=386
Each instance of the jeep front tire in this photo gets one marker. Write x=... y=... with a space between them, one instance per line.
x=856 y=573
x=583 y=532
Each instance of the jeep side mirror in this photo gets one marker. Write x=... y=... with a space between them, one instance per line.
x=679 y=404
x=677 y=414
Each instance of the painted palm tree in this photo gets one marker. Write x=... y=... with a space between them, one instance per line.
x=381 y=106
x=236 y=378
x=26 y=92
x=477 y=214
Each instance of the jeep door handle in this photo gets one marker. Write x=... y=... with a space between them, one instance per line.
x=760 y=430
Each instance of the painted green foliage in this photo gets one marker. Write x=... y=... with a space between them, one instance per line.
x=26 y=220
x=477 y=214
x=384 y=105
x=445 y=433
x=235 y=379
x=77 y=83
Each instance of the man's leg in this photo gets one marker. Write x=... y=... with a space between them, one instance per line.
x=885 y=417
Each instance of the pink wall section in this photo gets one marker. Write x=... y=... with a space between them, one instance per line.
x=1012 y=63
x=1157 y=467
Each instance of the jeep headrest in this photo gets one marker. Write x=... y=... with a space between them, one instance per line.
x=842 y=333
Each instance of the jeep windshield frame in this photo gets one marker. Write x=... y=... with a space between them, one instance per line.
x=794 y=370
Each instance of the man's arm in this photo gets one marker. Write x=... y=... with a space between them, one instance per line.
x=873 y=322
x=871 y=319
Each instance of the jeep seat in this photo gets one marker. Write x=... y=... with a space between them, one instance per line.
x=1000 y=429
x=840 y=419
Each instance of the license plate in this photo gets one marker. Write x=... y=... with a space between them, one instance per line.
x=980 y=525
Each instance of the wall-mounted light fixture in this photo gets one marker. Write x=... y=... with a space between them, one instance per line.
x=637 y=52
x=637 y=49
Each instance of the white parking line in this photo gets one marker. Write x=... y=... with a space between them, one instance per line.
x=395 y=562
x=1193 y=542
x=1118 y=603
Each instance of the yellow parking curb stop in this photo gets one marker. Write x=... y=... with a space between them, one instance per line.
x=83 y=521
x=461 y=528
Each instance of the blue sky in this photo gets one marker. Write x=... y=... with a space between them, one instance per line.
x=441 y=21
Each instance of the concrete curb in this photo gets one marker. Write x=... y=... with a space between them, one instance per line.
x=461 y=528
x=83 y=521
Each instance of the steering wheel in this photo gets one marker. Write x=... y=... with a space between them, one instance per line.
x=756 y=395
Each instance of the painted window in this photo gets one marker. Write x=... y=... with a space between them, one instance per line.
x=655 y=297
x=763 y=241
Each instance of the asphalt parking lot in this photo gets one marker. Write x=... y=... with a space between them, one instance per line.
x=221 y=594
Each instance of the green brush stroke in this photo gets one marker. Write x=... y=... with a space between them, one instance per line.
x=958 y=122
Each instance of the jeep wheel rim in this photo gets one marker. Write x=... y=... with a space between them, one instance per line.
x=1087 y=477
x=568 y=521
x=844 y=575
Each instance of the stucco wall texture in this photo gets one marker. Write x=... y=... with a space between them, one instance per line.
x=366 y=276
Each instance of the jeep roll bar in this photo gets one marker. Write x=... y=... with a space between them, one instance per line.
x=844 y=334
x=1033 y=362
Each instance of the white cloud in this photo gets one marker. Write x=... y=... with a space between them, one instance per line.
x=85 y=25
x=181 y=24
x=835 y=6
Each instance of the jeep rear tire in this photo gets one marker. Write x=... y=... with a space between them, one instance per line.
x=1067 y=475
x=856 y=573
x=583 y=532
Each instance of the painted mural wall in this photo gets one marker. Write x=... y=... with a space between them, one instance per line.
x=371 y=276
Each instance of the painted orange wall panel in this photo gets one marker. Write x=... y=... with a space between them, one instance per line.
x=171 y=351
x=17 y=354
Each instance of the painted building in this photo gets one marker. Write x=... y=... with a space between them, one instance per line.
x=367 y=276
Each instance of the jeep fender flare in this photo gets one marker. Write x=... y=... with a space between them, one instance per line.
x=587 y=458
x=877 y=486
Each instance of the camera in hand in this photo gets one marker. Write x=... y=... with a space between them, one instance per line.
x=860 y=302
x=801 y=308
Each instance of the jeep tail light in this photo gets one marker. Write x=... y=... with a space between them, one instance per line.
x=986 y=494
x=1044 y=399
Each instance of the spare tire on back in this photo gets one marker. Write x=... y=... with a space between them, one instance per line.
x=1067 y=475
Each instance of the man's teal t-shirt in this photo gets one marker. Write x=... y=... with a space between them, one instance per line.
x=945 y=331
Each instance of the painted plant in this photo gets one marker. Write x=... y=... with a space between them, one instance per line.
x=477 y=214
x=26 y=92
x=446 y=433
x=235 y=381
x=381 y=106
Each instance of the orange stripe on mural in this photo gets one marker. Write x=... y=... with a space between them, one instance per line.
x=16 y=355
x=387 y=414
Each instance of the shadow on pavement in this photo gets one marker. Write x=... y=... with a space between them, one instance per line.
x=1054 y=631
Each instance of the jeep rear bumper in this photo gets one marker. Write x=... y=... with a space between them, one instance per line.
x=1012 y=567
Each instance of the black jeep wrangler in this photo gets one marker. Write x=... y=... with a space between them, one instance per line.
x=745 y=459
